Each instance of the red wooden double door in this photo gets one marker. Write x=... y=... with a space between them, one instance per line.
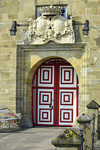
x=55 y=94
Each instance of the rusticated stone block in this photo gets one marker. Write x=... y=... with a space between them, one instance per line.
x=92 y=11
x=13 y=16
x=98 y=10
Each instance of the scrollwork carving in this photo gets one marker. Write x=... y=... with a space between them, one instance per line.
x=51 y=27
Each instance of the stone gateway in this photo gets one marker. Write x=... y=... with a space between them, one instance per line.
x=49 y=48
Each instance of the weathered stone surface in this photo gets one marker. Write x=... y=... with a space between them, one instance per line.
x=26 y=122
x=93 y=105
x=83 y=119
x=51 y=26
x=68 y=138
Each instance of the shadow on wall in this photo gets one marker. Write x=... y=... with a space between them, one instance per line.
x=97 y=41
x=76 y=26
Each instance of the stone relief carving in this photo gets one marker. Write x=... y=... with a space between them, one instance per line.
x=51 y=26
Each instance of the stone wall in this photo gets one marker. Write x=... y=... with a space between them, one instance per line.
x=87 y=66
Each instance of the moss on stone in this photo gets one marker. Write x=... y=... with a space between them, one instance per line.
x=68 y=138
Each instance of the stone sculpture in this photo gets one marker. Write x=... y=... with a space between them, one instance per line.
x=51 y=26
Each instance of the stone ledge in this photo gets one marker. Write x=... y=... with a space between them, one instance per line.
x=53 y=47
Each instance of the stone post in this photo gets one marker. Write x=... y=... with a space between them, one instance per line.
x=68 y=140
x=26 y=122
x=93 y=107
x=93 y=129
x=84 y=124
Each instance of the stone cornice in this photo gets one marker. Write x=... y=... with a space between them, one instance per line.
x=53 y=47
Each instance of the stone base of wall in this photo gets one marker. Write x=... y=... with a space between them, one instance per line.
x=26 y=122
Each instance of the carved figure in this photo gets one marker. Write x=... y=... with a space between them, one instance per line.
x=51 y=26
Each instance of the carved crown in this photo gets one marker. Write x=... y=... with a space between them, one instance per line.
x=50 y=10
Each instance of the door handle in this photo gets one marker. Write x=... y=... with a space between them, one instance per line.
x=51 y=106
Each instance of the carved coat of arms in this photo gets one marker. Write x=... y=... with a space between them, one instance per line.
x=51 y=26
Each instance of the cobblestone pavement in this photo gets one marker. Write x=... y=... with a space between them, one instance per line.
x=38 y=138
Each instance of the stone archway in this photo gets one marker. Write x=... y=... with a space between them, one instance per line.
x=29 y=58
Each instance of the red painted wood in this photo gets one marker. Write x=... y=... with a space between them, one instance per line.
x=36 y=94
x=77 y=96
x=58 y=74
x=55 y=97
x=56 y=89
x=69 y=116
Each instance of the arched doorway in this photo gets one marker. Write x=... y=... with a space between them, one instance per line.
x=55 y=94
